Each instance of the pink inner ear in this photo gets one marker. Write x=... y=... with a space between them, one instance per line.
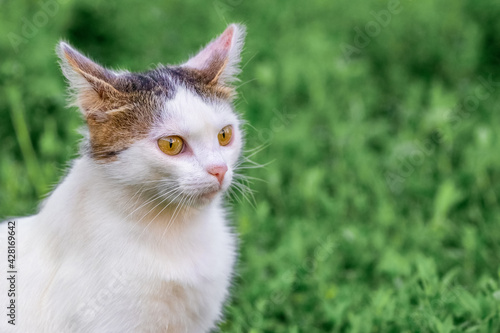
x=218 y=48
x=227 y=36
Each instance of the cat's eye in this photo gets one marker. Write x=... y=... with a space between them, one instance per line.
x=171 y=145
x=225 y=135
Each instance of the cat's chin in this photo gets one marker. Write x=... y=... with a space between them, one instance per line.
x=209 y=195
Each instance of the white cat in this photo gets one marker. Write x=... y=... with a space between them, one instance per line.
x=135 y=238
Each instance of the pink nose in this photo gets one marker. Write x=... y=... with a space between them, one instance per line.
x=218 y=171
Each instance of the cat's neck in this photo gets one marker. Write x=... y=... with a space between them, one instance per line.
x=88 y=195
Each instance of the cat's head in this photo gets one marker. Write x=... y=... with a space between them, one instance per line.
x=171 y=130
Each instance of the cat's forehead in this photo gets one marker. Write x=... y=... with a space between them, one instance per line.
x=186 y=112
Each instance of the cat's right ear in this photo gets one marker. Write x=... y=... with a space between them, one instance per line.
x=90 y=84
x=218 y=62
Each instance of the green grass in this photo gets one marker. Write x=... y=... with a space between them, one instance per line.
x=379 y=211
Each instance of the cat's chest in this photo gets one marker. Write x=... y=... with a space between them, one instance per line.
x=180 y=299
x=192 y=282
x=193 y=257
x=150 y=283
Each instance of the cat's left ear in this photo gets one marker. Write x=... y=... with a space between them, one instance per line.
x=91 y=84
x=218 y=62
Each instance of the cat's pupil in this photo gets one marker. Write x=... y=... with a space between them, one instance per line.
x=224 y=134
x=171 y=141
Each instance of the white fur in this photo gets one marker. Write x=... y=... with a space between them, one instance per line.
x=96 y=259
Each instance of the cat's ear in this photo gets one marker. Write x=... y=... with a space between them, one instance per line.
x=91 y=84
x=219 y=60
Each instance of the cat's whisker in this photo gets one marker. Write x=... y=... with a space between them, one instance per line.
x=161 y=211
x=133 y=196
x=161 y=202
x=151 y=221
x=155 y=197
x=248 y=61
x=244 y=190
x=244 y=197
x=247 y=159
x=251 y=164
x=247 y=163
x=248 y=179
x=252 y=167
x=161 y=181
x=164 y=195
x=234 y=196
x=172 y=218
x=251 y=152
x=247 y=124
x=242 y=84
x=240 y=183
x=139 y=193
x=143 y=204
x=242 y=98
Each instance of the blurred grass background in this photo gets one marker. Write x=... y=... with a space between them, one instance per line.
x=380 y=211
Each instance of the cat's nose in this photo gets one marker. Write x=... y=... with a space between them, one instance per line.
x=218 y=171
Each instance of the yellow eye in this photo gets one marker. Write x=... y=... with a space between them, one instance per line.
x=225 y=135
x=171 y=145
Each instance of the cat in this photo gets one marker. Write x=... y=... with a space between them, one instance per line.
x=136 y=237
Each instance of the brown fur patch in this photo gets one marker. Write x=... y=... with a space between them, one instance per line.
x=116 y=125
x=204 y=83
